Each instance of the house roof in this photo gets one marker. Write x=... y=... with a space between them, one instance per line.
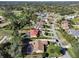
x=65 y=24
x=38 y=46
x=74 y=32
x=33 y=32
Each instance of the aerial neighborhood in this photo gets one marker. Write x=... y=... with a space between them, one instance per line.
x=39 y=30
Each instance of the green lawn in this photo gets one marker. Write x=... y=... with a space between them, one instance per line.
x=5 y=32
x=1 y=12
x=75 y=20
x=71 y=52
x=76 y=27
x=53 y=50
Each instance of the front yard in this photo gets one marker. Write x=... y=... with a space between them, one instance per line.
x=53 y=50
x=76 y=27
x=74 y=49
x=75 y=20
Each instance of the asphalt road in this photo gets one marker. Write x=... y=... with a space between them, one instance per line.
x=60 y=41
x=66 y=55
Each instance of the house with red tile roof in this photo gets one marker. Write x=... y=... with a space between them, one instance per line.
x=33 y=32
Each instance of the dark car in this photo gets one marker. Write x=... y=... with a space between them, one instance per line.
x=57 y=40
x=63 y=51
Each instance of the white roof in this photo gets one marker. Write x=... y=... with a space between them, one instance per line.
x=74 y=32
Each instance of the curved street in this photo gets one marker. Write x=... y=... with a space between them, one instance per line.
x=67 y=55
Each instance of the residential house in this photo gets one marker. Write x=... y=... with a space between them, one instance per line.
x=2 y=19
x=31 y=47
x=38 y=46
x=33 y=32
x=70 y=17
x=73 y=32
x=65 y=25
x=3 y=22
x=39 y=24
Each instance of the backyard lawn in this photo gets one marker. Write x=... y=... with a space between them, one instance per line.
x=53 y=50
x=76 y=27
x=75 y=20
x=1 y=12
x=5 y=32
x=71 y=52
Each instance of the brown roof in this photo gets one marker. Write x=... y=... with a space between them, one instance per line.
x=38 y=45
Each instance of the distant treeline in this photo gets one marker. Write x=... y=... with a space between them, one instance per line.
x=39 y=2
